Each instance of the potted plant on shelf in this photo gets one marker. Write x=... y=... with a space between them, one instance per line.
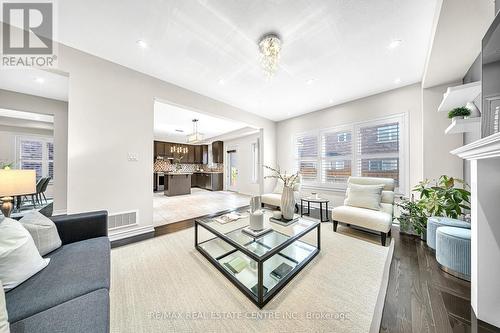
x=287 y=198
x=459 y=113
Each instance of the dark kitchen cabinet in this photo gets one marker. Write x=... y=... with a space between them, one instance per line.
x=190 y=154
x=218 y=151
x=168 y=151
x=204 y=154
x=207 y=181
x=159 y=149
x=198 y=157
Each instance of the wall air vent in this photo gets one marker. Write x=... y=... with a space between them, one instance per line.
x=123 y=219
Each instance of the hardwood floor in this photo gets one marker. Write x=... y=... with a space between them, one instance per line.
x=421 y=297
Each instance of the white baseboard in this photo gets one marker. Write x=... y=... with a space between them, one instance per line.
x=121 y=234
x=59 y=212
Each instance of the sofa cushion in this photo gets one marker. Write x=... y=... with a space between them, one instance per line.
x=366 y=218
x=43 y=231
x=19 y=257
x=272 y=199
x=364 y=196
x=75 y=269
x=87 y=313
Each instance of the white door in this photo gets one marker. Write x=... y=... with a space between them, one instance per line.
x=232 y=171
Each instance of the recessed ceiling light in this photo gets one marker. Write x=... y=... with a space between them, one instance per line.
x=221 y=82
x=398 y=80
x=330 y=101
x=39 y=80
x=142 y=44
x=310 y=81
x=395 y=43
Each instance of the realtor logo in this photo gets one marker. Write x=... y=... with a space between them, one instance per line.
x=28 y=33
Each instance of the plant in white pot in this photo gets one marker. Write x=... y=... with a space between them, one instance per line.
x=287 y=198
x=459 y=113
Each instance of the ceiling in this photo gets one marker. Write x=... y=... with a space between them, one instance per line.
x=333 y=51
x=170 y=119
x=34 y=81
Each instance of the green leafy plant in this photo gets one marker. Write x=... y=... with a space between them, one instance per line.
x=412 y=215
x=444 y=197
x=459 y=112
x=6 y=166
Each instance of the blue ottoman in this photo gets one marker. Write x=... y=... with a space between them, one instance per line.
x=435 y=222
x=453 y=251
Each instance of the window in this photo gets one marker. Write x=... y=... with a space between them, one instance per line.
x=344 y=137
x=307 y=155
x=255 y=162
x=388 y=133
x=328 y=157
x=36 y=154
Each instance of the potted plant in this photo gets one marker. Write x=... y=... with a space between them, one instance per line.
x=412 y=219
x=287 y=198
x=6 y=166
x=440 y=198
x=459 y=113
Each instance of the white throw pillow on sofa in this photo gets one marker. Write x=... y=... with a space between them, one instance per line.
x=4 y=318
x=19 y=257
x=43 y=231
x=364 y=196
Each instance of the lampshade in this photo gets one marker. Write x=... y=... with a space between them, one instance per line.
x=17 y=182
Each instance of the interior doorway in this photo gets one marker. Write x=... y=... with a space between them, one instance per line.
x=232 y=170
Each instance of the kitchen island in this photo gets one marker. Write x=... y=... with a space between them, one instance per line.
x=177 y=183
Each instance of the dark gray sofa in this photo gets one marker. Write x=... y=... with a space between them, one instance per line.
x=72 y=293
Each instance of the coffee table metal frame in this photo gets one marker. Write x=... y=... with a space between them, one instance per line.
x=320 y=201
x=260 y=300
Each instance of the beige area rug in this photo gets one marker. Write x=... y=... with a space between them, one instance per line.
x=165 y=285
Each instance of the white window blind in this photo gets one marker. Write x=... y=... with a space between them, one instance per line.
x=328 y=157
x=336 y=156
x=307 y=156
x=378 y=150
x=36 y=154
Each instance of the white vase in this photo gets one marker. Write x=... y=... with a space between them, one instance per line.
x=287 y=203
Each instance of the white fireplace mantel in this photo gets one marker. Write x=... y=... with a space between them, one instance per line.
x=488 y=147
x=484 y=156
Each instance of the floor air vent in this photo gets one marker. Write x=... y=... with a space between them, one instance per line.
x=120 y=220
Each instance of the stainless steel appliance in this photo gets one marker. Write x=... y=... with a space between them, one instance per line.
x=159 y=181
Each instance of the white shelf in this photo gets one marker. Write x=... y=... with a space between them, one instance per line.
x=459 y=96
x=464 y=125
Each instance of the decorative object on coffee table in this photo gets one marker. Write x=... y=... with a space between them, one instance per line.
x=287 y=198
x=315 y=199
x=257 y=220
x=13 y=183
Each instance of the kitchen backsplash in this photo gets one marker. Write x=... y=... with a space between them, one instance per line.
x=166 y=166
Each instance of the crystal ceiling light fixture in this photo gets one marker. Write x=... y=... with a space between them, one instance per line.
x=195 y=137
x=270 y=49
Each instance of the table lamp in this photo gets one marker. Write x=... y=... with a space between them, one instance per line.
x=13 y=183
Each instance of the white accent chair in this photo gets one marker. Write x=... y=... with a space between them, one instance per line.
x=378 y=220
x=274 y=198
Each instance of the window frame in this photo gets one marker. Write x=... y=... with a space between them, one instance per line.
x=45 y=161
x=320 y=184
x=255 y=150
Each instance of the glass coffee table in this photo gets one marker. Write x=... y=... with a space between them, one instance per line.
x=259 y=267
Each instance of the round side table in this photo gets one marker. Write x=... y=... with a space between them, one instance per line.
x=321 y=201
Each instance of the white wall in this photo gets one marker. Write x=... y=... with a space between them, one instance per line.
x=59 y=109
x=404 y=100
x=437 y=159
x=111 y=115
x=243 y=147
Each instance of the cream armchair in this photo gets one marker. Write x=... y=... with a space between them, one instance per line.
x=378 y=220
x=274 y=198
